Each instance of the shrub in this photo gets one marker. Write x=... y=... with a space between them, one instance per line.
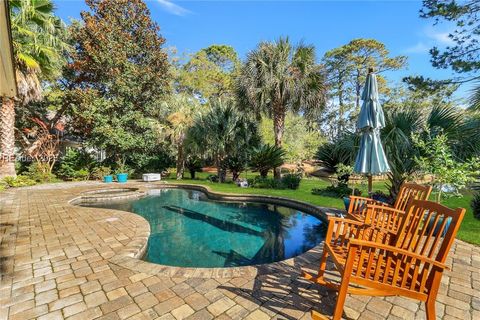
x=342 y=150
x=236 y=164
x=265 y=183
x=339 y=191
x=193 y=164
x=476 y=205
x=39 y=172
x=99 y=172
x=212 y=178
x=382 y=197
x=265 y=158
x=19 y=181
x=77 y=164
x=291 y=181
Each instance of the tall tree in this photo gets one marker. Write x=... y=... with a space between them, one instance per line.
x=300 y=140
x=183 y=110
x=119 y=74
x=38 y=43
x=278 y=77
x=463 y=55
x=220 y=133
x=209 y=73
x=347 y=66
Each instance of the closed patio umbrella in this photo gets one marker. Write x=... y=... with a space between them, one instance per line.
x=371 y=159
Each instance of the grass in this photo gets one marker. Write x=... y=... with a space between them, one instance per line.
x=469 y=230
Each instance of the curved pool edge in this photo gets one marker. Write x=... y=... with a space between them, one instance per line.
x=318 y=211
x=130 y=256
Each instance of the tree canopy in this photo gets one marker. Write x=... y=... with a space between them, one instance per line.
x=209 y=73
x=347 y=67
x=119 y=75
x=279 y=77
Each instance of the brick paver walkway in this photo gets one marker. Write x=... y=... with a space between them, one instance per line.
x=56 y=262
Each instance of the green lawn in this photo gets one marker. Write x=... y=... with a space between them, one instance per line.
x=469 y=230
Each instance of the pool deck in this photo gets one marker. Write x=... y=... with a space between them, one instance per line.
x=63 y=261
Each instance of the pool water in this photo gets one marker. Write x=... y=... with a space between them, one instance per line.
x=190 y=230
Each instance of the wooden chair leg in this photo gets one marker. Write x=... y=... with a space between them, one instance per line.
x=342 y=296
x=430 y=309
x=323 y=264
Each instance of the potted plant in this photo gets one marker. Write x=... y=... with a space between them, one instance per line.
x=343 y=176
x=103 y=173
x=122 y=172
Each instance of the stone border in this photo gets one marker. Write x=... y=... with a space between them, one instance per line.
x=99 y=195
x=130 y=256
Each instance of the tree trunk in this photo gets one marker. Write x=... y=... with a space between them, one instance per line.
x=180 y=163
x=218 y=163
x=7 y=138
x=358 y=88
x=235 y=175
x=278 y=128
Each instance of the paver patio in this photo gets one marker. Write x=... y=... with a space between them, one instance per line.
x=61 y=261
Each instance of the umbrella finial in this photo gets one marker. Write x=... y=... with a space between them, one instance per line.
x=370 y=70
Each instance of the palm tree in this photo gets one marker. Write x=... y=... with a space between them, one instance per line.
x=400 y=124
x=178 y=122
x=265 y=158
x=38 y=51
x=219 y=133
x=278 y=77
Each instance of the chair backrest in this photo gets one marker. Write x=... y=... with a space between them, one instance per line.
x=429 y=229
x=409 y=191
x=427 y=233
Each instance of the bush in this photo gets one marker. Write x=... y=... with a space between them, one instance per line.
x=265 y=158
x=99 y=172
x=383 y=197
x=39 y=172
x=291 y=181
x=212 y=178
x=340 y=191
x=77 y=164
x=157 y=161
x=265 y=183
x=476 y=205
x=19 y=181
x=341 y=151
x=193 y=164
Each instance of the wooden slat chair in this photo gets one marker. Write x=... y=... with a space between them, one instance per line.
x=409 y=262
x=408 y=191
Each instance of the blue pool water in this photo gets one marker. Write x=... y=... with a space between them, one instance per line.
x=189 y=230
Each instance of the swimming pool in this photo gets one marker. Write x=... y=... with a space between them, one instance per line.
x=190 y=230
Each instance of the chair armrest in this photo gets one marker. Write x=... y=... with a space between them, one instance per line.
x=341 y=229
x=359 y=204
x=384 y=217
x=362 y=245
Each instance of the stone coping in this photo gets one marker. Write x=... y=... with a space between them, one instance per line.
x=108 y=194
x=130 y=256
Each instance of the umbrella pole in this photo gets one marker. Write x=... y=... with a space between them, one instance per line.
x=370 y=184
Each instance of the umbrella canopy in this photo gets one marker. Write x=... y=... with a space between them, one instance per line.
x=371 y=159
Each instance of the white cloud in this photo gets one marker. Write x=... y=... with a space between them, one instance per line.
x=439 y=37
x=173 y=8
x=420 y=47
x=430 y=37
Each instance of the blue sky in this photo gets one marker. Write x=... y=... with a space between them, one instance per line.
x=192 y=25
